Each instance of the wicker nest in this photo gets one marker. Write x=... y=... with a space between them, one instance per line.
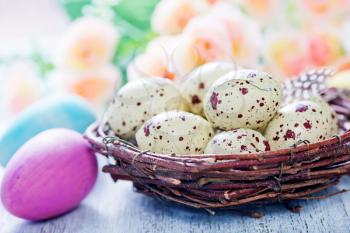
x=228 y=181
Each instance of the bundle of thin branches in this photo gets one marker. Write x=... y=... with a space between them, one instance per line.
x=226 y=181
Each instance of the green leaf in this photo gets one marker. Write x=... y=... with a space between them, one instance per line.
x=74 y=8
x=136 y=12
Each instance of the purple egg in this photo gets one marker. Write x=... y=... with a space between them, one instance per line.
x=49 y=175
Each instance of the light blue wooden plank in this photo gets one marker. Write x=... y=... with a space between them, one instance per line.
x=116 y=208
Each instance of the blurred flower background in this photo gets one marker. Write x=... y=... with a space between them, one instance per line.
x=92 y=47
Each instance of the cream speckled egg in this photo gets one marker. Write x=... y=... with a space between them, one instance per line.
x=140 y=100
x=243 y=99
x=239 y=141
x=296 y=122
x=176 y=132
x=200 y=80
x=330 y=115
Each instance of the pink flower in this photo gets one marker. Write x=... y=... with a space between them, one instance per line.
x=244 y=33
x=287 y=54
x=324 y=47
x=166 y=56
x=209 y=38
x=21 y=86
x=329 y=7
x=261 y=9
x=171 y=16
x=89 y=43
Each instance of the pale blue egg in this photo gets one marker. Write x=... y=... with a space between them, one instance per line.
x=70 y=112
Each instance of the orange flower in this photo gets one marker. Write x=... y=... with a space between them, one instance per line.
x=89 y=43
x=96 y=86
x=209 y=38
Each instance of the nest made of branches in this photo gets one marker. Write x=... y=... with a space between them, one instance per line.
x=227 y=181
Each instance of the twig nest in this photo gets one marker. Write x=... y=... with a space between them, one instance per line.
x=239 y=141
x=140 y=100
x=175 y=132
x=301 y=121
x=199 y=81
x=243 y=99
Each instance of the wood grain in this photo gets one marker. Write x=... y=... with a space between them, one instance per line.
x=116 y=208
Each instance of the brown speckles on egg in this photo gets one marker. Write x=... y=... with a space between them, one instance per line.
x=201 y=85
x=195 y=99
x=214 y=100
x=290 y=134
x=181 y=139
x=243 y=148
x=307 y=125
x=239 y=115
x=243 y=90
x=267 y=145
x=146 y=129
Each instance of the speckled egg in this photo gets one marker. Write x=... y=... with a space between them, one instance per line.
x=49 y=175
x=296 y=122
x=239 y=141
x=200 y=80
x=330 y=115
x=175 y=132
x=140 y=100
x=243 y=99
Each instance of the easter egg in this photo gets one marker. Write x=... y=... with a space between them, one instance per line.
x=56 y=112
x=177 y=132
x=198 y=82
x=238 y=141
x=242 y=99
x=49 y=175
x=301 y=121
x=138 y=101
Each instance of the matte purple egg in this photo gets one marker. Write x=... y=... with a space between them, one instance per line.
x=49 y=175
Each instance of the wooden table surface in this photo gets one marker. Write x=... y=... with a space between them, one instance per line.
x=116 y=208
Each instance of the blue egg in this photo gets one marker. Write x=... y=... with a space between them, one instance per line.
x=70 y=112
